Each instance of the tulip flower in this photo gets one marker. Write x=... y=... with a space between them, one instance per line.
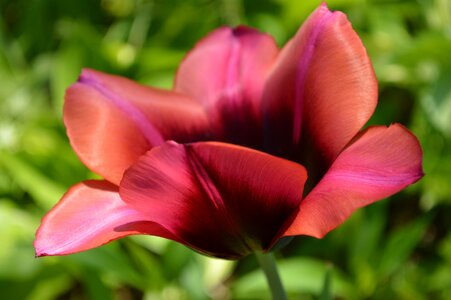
x=220 y=162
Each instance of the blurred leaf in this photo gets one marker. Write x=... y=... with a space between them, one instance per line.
x=369 y=228
x=176 y=258
x=160 y=59
x=191 y=278
x=15 y=290
x=326 y=293
x=445 y=248
x=50 y=288
x=437 y=104
x=295 y=12
x=96 y=288
x=428 y=46
x=155 y=244
x=158 y=66
x=436 y=161
x=17 y=233
x=150 y=267
x=439 y=280
x=365 y=244
x=43 y=190
x=109 y=259
x=299 y=276
x=67 y=65
x=400 y=245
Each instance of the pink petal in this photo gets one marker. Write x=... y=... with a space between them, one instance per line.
x=322 y=84
x=220 y=199
x=89 y=215
x=380 y=163
x=111 y=121
x=227 y=64
x=226 y=71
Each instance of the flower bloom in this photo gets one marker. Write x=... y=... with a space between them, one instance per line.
x=220 y=163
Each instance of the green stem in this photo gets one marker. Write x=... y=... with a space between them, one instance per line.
x=268 y=264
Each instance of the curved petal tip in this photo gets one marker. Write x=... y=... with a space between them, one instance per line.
x=380 y=162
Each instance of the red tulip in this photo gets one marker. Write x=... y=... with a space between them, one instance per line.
x=269 y=112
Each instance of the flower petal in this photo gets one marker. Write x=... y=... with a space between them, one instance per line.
x=380 y=163
x=220 y=199
x=322 y=84
x=111 y=121
x=89 y=215
x=227 y=64
x=226 y=71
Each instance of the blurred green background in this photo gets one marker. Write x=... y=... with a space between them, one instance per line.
x=396 y=249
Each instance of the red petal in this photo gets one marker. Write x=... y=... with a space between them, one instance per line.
x=226 y=64
x=226 y=71
x=380 y=163
x=89 y=215
x=323 y=84
x=220 y=199
x=111 y=121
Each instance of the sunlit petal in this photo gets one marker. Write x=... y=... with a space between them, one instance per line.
x=111 y=121
x=381 y=162
x=323 y=86
x=89 y=215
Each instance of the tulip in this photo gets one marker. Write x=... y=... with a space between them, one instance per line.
x=220 y=163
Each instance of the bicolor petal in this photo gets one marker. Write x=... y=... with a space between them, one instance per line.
x=220 y=199
x=226 y=71
x=111 y=121
x=380 y=162
x=89 y=215
x=322 y=85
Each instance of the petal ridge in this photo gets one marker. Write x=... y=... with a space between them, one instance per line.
x=380 y=162
x=204 y=179
x=107 y=118
x=302 y=72
x=225 y=72
x=151 y=133
x=253 y=193
x=89 y=215
x=320 y=92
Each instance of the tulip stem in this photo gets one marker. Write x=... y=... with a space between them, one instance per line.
x=268 y=264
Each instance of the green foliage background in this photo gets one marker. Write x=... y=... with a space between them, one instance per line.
x=395 y=249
